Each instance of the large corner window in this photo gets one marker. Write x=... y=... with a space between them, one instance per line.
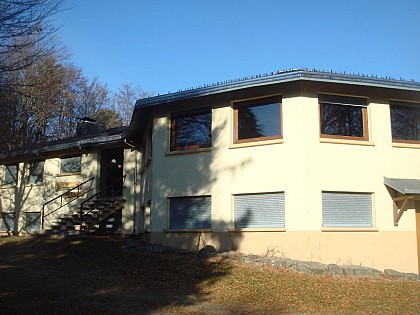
x=343 y=209
x=36 y=172
x=257 y=119
x=343 y=117
x=10 y=175
x=191 y=130
x=190 y=212
x=405 y=122
x=70 y=165
x=259 y=210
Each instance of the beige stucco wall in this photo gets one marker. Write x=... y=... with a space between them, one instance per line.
x=24 y=198
x=302 y=166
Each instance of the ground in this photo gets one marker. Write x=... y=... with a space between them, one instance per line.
x=105 y=276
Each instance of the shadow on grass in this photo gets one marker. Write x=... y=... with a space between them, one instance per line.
x=98 y=276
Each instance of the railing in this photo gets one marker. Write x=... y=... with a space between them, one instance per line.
x=97 y=197
x=78 y=195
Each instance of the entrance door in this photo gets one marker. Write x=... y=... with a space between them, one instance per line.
x=106 y=156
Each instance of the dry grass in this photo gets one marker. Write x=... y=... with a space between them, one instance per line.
x=98 y=276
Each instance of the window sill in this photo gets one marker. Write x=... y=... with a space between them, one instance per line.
x=349 y=229
x=67 y=174
x=347 y=141
x=406 y=145
x=257 y=230
x=34 y=185
x=204 y=230
x=8 y=186
x=188 y=151
x=255 y=143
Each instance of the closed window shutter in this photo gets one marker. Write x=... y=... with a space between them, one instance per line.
x=346 y=209
x=190 y=212
x=259 y=210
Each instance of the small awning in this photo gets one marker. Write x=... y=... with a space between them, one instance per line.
x=403 y=190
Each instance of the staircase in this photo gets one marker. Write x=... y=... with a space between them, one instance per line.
x=102 y=215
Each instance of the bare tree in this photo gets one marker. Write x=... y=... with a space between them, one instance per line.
x=26 y=24
x=125 y=99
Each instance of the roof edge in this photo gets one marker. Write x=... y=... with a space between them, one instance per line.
x=280 y=77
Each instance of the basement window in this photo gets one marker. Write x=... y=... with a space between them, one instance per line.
x=346 y=209
x=190 y=212
x=259 y=210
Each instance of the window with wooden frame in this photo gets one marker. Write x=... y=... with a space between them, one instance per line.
x=257 y=119
x=343 y=117
x=191 y=130
x=405 y=122
x=36 y=172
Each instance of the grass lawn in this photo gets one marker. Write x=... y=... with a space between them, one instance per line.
x=99 y=276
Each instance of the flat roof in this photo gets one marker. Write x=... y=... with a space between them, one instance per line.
x=280 y=77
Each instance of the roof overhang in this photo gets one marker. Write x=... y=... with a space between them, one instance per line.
x=66 y=146
x=403 y=191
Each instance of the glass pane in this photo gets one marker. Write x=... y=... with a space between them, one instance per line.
x=36 y=172
x=10 y=176
x=342 y=120
x=405 y=123
x=8 y=223
x=258 y=121
x=70 y=165
x=33 y=221
x=191 y=131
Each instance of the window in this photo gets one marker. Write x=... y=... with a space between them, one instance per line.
x=405 y=122
x=190 y=212
x=36 y=172
x=8 y=222
x=33 y=221
x=259 y=210
x=70 y=165
x=341 y=209
x=191 y=130
x=257 y=119
x=147 y=148
x=10 y=175
x=343 y=117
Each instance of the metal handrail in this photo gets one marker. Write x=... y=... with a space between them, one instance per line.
x=78 y=195
x=122 y=178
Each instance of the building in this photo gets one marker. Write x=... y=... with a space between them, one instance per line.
x=304 y=164
x=42 y=183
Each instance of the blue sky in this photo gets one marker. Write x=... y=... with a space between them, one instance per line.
x=167 y=45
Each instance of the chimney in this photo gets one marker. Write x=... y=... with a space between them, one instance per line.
x=86 y=126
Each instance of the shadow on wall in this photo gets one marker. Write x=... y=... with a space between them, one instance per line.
x=206 y=173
